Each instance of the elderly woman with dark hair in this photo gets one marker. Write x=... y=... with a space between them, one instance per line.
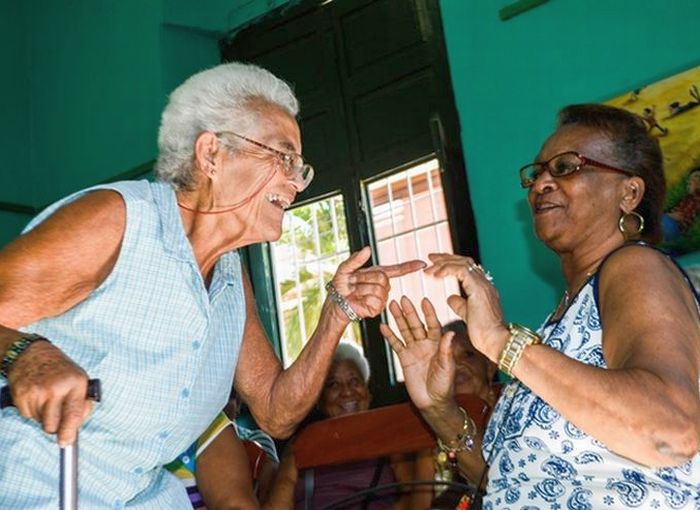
x=140 y=284
x=604 y=407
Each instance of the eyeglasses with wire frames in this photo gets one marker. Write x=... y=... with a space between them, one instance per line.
x=561 y=165
x=293 y=165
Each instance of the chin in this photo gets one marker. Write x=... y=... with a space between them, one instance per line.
x=271 y=234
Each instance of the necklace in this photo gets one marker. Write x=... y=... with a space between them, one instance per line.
x=566 y=298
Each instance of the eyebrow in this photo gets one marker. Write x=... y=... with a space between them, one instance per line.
x=282 y=143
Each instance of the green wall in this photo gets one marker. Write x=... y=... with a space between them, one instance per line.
x=510 y=79
x=16 y=182
x=84 y=82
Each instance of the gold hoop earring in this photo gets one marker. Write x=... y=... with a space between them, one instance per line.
x=623 y=219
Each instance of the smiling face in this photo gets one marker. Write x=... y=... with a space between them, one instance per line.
x=345 y=391
x=253 y=175
x=580 y=208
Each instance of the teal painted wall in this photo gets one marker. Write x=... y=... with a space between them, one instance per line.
x=16 y=168
x=84 y=82
x=510 y=79
x=94 y=76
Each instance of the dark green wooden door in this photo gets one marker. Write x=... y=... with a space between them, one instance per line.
x=373 y=81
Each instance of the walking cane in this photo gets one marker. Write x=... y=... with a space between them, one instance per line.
x=68 y=481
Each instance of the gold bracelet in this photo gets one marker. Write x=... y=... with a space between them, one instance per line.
x=464 y=442
x=520 y=337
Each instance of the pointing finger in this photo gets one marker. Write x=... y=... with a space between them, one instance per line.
x=403 y=268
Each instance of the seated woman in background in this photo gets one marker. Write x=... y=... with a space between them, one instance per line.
x=474 y=373
x=345 y=391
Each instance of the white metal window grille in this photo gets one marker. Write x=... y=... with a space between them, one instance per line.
x=314 y=241
x=409 y=220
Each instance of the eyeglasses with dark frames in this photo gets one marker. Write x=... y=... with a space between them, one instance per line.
x=293 y=165
x=561 y=165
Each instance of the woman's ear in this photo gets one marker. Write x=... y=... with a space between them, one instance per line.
x=633 y=192
x=206 y=147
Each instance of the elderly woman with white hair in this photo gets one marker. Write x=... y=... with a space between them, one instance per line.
x=345 y=392
x=140 y=284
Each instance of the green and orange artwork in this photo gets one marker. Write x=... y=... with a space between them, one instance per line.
x=671 y=111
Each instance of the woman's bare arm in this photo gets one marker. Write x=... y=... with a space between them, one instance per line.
x=43 y=273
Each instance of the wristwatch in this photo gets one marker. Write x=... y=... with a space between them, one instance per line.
x=520 y=337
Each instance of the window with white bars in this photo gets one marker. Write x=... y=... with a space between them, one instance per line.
x=313 y=243
x=409 y=221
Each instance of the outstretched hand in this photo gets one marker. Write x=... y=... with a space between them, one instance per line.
x=481 y=309
x=367 y=289
x=424 y=353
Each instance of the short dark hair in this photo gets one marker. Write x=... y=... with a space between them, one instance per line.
x=634 y=149
x=457 y=326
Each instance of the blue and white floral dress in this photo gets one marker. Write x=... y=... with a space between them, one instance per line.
x=540 y=460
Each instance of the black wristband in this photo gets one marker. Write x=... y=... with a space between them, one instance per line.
x=16 y=349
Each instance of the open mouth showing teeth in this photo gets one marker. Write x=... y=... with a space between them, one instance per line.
x=277 y=200
x=350 y=407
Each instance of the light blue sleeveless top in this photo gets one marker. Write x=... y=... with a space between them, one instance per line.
x=164 y=348
x=540 y=460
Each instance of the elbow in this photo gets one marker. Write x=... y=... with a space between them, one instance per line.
x=680 y=443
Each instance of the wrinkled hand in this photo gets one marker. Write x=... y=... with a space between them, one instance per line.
x=425 y=354
x=367 y=289
x=481 y=309
x=50 y=388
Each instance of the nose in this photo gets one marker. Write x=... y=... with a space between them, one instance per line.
x=544 y=183
x=297 y=183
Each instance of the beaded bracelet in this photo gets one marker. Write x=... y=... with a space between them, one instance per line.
x=464 y=442
x=15 y=349
x=342 y=302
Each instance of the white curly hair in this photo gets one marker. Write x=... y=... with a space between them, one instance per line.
x=350 y=351
x=223 y=98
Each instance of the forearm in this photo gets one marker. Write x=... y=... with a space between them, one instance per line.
x=281 y=495
x=223 y=474
x=447 y=423
x=296 y=389
x=632 y=411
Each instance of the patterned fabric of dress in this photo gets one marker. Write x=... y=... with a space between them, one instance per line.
x=539 y=460
x=185 y=465
x=164 y=347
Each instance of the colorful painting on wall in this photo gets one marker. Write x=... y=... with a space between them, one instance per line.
x=671 y=110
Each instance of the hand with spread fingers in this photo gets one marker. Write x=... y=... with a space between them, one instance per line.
x=481 y=309
x=363 y=292
x=424 y=352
